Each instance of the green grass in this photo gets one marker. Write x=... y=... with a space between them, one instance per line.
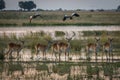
x=54 y=18
x=15 y=67
x=59 y=33
x=42 y=67
x=7 y=24
x=61 y=69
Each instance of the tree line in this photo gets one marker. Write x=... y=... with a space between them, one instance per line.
x=24 y=5
x=28 y=5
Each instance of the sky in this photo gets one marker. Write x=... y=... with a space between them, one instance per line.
x=66 y=4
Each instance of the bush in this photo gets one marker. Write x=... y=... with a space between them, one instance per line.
x=59 y=33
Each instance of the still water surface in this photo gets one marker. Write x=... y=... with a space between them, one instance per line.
x=22 y=31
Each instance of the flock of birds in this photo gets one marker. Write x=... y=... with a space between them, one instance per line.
x=64 y=18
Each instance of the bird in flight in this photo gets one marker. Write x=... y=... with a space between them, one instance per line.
x=70 y=16
x=34 y=16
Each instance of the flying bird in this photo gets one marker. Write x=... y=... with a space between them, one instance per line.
x=66 y=17
x=34 y=16
x=70 y=16
x=75 y=14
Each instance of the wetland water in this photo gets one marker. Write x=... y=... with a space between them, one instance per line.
x=26 y=69
x=20 y=31
x=58 y=28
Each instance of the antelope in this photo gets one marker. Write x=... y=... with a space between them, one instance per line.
x=71 y=16
x=107 y=48
x=60 y=47
x=43 y=48
x=15 y=47
x=93 y=47
x=34 y=16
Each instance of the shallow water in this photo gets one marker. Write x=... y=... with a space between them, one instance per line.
x=26 y=54
x=22 y=31
x=59 y=28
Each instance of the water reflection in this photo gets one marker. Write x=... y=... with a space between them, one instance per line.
x=59 y=71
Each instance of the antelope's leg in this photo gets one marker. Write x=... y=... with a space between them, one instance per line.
x=88 y=54
x=102 y=55
x=109 y=56
x=106 y=55
x=56 y=55
x=18 y=55
x=96 y=56
x=37 y=51
x=112 y=56
x=8 y=53
x=68 y=55
x=111 y=52
x=59 y=56
x=65 y=55
x=45 y=54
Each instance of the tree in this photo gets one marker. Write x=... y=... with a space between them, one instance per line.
x=21 y=3
x=27 y=5
x=2 y=4
x=118 y=9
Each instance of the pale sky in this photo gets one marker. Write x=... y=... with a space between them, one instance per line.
x=67 y=4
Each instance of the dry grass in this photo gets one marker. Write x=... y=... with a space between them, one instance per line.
x=55 y=18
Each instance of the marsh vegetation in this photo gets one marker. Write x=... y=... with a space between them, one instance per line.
x=61 y=71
